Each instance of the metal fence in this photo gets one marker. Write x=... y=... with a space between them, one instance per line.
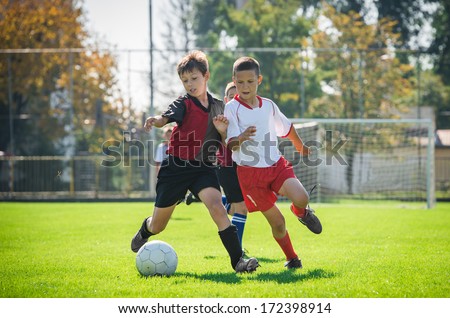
x=79 y=177
x=406 y=170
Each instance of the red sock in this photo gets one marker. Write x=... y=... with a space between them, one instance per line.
x=299 y=212
x=286 y=246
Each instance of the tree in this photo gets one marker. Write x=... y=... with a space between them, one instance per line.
x=273 y=25
x=179 y=39
x=81 y=76
x=365 y=82
x=440 y=45
x=410 y=15
x=436 y=94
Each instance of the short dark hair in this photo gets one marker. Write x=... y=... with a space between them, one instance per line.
x=246 y=63
x=193 y=60
x=230 y=85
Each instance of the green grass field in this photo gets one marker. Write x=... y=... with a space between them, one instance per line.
x=370 y=249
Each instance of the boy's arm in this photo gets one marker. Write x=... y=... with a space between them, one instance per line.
x=157 y=121
x=235 y=142
x=297 y=141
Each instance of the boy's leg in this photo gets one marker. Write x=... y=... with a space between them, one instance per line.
x=281 y=235
x=239 y=218
x=151 y=226
x=211 y=197
x=294 y=191
x=230 y=183
x=192 y=198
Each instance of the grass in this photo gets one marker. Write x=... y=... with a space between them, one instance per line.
x=81 y=250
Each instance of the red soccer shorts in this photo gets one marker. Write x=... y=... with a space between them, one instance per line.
x=260 y=186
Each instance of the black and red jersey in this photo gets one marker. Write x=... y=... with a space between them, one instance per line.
x=194 y=137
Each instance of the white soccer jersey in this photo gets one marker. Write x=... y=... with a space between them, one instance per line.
x=270 y=123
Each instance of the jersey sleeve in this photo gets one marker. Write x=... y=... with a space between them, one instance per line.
x=175 y=112
x=282 y=123
x=233 y=127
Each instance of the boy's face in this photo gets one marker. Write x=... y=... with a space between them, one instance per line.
x=194 y=82
x=230 y=94
x=247 y=83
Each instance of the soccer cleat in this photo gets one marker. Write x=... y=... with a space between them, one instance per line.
x=311 y=221
x=246 y=265
x=293 y=263
x=190 y=198
x=139 y=239
x=245 y=253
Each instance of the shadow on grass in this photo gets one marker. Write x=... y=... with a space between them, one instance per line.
x=260 y=259
x=181 y=218
x=269 y=260
x=290 y=276
x=284 y=277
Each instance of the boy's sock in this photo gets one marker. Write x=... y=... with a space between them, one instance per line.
x=239 y=221
x=226 y=204
x=299 y=212
x=144 y=232
x=231 y=242
x=286 y=246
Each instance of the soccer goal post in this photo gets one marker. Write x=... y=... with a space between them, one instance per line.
x=368 y=159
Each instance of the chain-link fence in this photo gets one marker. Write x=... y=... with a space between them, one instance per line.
x=58 y=107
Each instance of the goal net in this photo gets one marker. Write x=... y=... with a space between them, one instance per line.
x=365 y=159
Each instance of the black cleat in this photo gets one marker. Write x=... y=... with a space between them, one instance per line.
x=311 y=221
x=190 y=198
x=246 y=265
x=293 y=263
x=139 y=238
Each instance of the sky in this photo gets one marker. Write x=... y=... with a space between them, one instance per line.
x=124 y=24
x=121 y=22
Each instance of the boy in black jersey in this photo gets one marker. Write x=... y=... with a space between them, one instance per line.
x=200 y=129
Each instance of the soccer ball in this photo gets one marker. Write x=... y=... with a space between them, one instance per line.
x=156 y=258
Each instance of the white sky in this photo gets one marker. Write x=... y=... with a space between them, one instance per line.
x=125 y=25
x=120 y=22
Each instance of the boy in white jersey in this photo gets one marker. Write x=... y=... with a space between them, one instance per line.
x=255 y=123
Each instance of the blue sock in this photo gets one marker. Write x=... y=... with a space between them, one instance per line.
x=238 y=220
x=225 y=203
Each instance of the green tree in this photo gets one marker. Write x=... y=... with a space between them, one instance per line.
x=411 y=17
x=436 y=94
x=179 y=39
x=440 y=45
x=84 y=80
x=271 y=25
x=364 y=82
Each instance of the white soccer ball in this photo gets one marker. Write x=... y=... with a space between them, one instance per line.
x=156 y=258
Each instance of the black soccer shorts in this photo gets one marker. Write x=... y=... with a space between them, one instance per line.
x=177 y=176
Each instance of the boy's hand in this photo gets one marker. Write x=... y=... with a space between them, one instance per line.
x=221 y=124
x=149 y=122
x=236 y=142
x=247 y=134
